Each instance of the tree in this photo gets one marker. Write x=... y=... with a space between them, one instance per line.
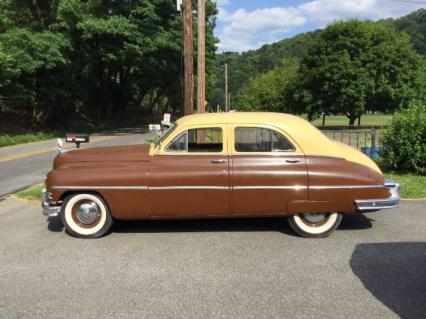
x=355 y=66
x=269 y=91
x=93 y=60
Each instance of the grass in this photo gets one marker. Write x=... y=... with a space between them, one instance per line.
x=367 y=119
x=7 y=140
x=412 y=186
x=32 y=193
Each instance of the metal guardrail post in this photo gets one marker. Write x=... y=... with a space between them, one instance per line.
x=373 y=142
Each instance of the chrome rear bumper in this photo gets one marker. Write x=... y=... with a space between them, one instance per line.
x=383 y=203
x=48 y=209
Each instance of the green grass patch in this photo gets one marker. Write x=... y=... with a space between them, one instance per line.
x=32 y=193
x=367 y=119
x=7 y=140
x=412 y=186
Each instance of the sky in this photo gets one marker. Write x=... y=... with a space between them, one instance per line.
x=248 y=24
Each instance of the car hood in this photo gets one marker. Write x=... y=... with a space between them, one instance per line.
x=123 y=153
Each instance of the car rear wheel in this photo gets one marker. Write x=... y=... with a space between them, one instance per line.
x=86 y=216
x=315 y=225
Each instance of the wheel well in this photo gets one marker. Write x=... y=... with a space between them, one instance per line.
x=74 y=192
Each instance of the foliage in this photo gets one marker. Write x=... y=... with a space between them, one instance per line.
x=356 y=66
x=100 y=59
x=6 y=140
x=245 y=66
x=268 y=91
x=413 y=186
x=403 y=142
x=414 y=24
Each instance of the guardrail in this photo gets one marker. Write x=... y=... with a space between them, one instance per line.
x=363 y=139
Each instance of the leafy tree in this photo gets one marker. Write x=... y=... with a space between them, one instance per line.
x=100 y=60
x=355 y=66
x=269 y=91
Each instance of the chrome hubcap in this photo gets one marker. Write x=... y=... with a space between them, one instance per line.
x=87 y=213
x=314 y=217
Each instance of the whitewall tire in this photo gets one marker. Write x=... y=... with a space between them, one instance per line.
x=86 y=216
x=315 y=225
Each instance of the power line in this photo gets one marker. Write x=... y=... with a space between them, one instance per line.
x=409 y=1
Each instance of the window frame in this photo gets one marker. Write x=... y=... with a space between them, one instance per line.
x=184 y=130
x=295 y=151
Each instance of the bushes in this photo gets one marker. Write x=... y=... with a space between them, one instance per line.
x=404 y=142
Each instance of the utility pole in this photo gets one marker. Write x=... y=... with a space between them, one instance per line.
x=226 y=88
x=188 y=59
x=201 y=74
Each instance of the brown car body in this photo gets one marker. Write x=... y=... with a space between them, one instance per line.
x=145 y=182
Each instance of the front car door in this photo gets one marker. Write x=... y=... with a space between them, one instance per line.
x=189 y=175
x=268 y=170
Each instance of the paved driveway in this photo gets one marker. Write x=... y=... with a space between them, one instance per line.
x=374 y=266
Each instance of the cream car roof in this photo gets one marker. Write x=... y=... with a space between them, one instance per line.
x=307 y=136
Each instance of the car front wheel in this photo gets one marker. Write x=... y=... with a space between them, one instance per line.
x=315 y=225
x=86 y=216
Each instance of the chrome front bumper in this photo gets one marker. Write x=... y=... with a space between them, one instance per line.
x=48 y=209
x=384 y=203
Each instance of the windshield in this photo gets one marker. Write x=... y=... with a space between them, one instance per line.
x=165 y=134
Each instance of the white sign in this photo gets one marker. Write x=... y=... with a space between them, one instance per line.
x=167 y=117
x=179 y=5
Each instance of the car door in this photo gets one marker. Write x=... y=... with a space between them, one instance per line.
x=190 y=177
x=268 y=171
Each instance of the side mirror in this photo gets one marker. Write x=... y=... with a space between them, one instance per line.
x=77 y=138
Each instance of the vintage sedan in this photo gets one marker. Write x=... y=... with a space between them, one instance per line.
x=219 y=166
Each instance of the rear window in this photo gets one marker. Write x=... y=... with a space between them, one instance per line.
x=258 y=139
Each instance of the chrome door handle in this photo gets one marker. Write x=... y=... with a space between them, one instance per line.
x=292 y=161
x=219 y=161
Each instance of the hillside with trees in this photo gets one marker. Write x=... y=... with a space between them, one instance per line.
x=248 y=68
x=70 y=61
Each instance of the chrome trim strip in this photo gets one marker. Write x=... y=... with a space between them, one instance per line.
x=187 y=187
x=345 y=186
x=296 y=187
x=99 y=187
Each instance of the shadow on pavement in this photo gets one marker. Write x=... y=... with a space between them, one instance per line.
x=204 y=225
x=395 y=273
x=55 y=224
x=355 y=221
x=349 y=222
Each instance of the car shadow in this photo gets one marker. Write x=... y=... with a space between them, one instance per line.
x=355 y=222
x=54 y=224
x=395 y=273
x=204 y=225
x=278 y=224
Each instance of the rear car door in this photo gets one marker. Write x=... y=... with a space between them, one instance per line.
x=268 y=171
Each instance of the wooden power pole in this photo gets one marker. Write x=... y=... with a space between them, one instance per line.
x=188 y=59
x=226 y=88
x=201 y=74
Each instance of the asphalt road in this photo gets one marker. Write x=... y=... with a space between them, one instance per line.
x=374 y=266
x=18 y=170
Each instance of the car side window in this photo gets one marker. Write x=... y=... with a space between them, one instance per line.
x=258 y=139
x=200 y=140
